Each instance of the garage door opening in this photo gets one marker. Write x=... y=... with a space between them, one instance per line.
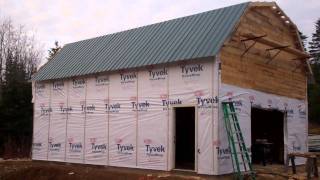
x=185 y=138
x=267 y=135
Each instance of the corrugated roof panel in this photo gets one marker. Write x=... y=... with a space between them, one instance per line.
x=75 y=67
x=92 y=49
x=155 y=42
x=72 y=61
x=140 y=46
x=54 y=65
x=155 y=46
x=99 y=59
x=117 y=51
x=205 y=35
x=133 y=46
x=90 y=60
x=190 y=37
x=221 y=35
x=64 y=66
x=184 y=49
x=223 y=32
x=177 y=38
x=49 y=66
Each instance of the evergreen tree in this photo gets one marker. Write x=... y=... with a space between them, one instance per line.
x=16 y=109
x=19 y=58
x=314 y=95
x=314 y=89
x=315 y=44
x=53 y=51
x=303 y=40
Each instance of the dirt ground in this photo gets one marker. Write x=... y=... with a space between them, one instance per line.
x=38 y=170
x=314 y=128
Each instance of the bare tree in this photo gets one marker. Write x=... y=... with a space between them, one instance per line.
x=19 y=57
x=22 y=46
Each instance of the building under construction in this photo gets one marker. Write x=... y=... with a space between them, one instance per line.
x=150 y=97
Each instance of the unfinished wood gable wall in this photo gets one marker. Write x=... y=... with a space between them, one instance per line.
x=281 y=75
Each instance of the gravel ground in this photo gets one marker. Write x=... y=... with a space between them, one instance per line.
x=25 y=169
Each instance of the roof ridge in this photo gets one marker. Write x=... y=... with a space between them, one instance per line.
x=135 y=28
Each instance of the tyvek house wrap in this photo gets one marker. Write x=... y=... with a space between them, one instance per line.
x=76 y=120
x=42 y=110
x=96 y=122
x=58 y=121
x=152 y=118
x=191 y=84
x=295 y=122
x=122 y=119
x=126 y=119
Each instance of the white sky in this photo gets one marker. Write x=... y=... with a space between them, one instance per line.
x=73 y=20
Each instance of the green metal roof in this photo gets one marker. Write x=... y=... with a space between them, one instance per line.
x=190 y=37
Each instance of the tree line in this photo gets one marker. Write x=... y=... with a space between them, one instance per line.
x=314 y=81
x=19 y=58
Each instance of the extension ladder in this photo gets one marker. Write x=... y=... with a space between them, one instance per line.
x=239 y=152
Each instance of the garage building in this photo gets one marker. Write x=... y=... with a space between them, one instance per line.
x=150 y=97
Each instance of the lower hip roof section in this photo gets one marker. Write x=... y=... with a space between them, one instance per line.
x=190 y=37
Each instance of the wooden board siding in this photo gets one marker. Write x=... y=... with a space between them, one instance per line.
x=252 y=70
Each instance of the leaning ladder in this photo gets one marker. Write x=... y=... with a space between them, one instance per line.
x=239 y=152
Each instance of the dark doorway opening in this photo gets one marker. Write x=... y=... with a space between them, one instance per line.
x=185 y=138
x=267 y=136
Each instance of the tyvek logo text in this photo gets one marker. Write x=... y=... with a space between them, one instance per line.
x=98 y=148
x=128 y=77
x=158 y=74
x=37 y=146
x=140 y=106
x=191 y=70
x=75 y=147
x=209 y=102
x=126 y=149
x=154 y=150
x=88 y=108
x=115 y=108
x=78 y=83
x=102 y=80
x=166 y=103
x=54 y=146
x=45 y=111
x=57 y=85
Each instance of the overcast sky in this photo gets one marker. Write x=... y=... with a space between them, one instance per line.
x=73 y=20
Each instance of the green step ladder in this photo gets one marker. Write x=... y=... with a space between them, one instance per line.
x=239 y=152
